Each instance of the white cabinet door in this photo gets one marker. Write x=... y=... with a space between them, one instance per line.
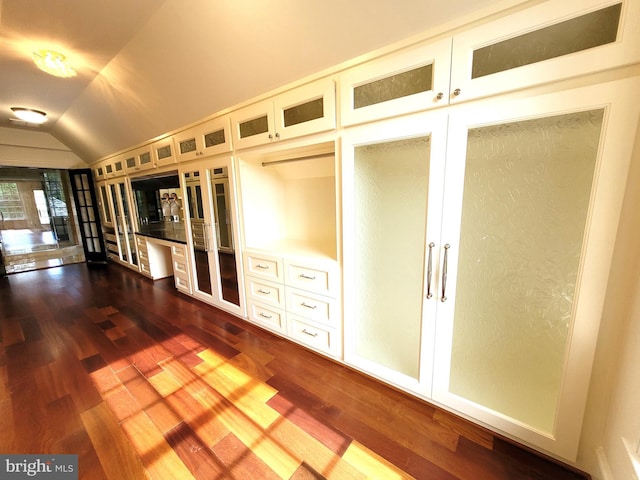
x=476 y=277
x=210 y=138
x=392 y=175
x=163 y=152
x=302 y=111
x=215 y=268
x=551 y=41
x=408 y=81
x=533 y=192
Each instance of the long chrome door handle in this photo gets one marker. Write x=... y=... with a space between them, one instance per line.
x=445 y=261
x=430 y=269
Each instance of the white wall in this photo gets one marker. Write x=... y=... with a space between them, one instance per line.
x=31 y=148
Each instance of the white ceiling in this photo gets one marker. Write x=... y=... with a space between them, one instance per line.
x=147 y=67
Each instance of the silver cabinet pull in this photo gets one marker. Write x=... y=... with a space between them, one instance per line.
x=430 y=270
x=307 y=277
x=311 y=334
x=313 y=307
x=264 y=315
x=444 y=272
x=264 y=292
x=263 y=267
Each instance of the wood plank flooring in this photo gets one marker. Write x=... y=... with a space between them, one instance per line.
x=142 y=382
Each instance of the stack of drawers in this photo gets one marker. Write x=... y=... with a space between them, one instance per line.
x=296 y=298
x=143 y=256
x=180 y=261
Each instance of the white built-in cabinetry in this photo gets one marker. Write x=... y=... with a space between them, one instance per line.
x=209 y=138
x=289 y=218
x=448 y=229
x=301 y=111
x=473 y=233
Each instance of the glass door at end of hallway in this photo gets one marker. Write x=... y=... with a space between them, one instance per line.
x=37 y=225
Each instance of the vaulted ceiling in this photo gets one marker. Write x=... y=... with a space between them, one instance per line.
x=147 y=67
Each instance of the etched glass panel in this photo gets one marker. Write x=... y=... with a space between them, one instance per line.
x=131 y=162
x=395 y=86
x=118 y=166
x=214 y=138
x=164 y=152
x=99 y=171
x=391 y=187
x=108 y=168
x=145 y=158
x=105 y=204
x=187 y=146
x=581 y=33
x=304 y=112
x=254 y=127
x=527 y=191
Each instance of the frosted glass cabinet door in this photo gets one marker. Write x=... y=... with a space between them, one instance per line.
x=392 y=181
x=530 y=246
x=551 y=41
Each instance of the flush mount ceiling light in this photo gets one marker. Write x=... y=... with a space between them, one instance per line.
x=53 y=63
x=29 y=115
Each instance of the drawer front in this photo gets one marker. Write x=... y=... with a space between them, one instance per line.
x=320 y=279
x=144 y=268
x=312 y=307
x=180 y=267
x=325 y=340
x=141 y=241
x=110 y=237
x=182 y=283
x=265 y=292
x=179 y=251
x=264 y=266
x=144 y=255
x=270 y=317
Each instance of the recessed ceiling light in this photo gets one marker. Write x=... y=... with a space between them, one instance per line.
x=53 y=63
x=29 y=115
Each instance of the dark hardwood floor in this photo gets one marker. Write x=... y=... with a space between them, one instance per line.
x=142 y=382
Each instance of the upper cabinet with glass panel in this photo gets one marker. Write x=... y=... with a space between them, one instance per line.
x=209 y=138
x=551 y=41
x=302 y=111
x=405 y=82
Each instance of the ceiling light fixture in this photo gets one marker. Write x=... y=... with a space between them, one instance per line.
x=29 y=115
x=53 y=63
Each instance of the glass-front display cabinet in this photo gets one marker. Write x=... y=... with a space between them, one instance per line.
x=210 y=221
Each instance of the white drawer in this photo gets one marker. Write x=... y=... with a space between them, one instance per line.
x=270 y=317
x=321 y=277
x=144 y=255
x=266 y=292
x=325 y=340
x=110 y=237
x=180 y=267
x=312 y=306
x=264 y=266
x=179 y=251
x=182 y=283
x=141 y=241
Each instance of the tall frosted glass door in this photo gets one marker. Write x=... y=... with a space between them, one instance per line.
x=391 y=181
x=527 y=190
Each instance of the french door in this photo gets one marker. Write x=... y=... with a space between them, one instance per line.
x=87 y=208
